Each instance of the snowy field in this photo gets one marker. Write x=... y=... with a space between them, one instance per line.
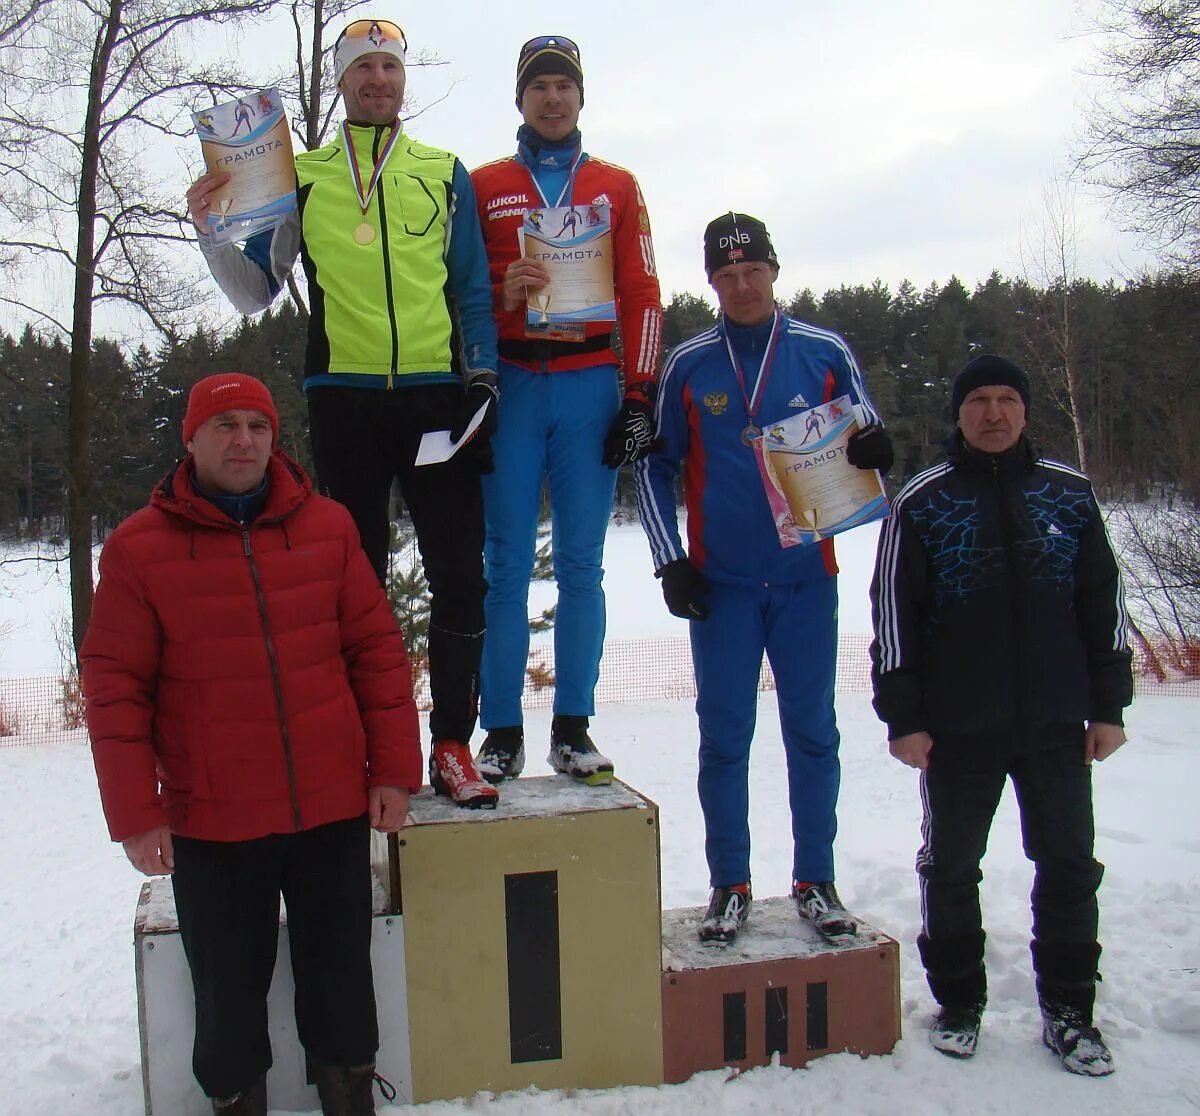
x=68 y=1019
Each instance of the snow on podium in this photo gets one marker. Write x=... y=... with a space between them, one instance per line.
x=533 y=936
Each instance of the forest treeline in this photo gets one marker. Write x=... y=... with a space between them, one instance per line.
x=1112 y=367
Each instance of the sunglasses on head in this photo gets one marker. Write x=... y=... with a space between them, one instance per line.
x=375 y=30
x=551 y=42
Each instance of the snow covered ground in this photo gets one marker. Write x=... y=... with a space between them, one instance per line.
x=68 y=1019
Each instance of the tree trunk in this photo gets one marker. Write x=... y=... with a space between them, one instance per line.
x=79 y=415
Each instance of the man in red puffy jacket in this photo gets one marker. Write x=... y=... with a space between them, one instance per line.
x=250 y=707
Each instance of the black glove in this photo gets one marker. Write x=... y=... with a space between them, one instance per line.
x=481 y=391
x=871 y=448
x=685 y=589
x=631 y=434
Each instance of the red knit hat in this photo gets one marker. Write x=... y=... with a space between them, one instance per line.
x=228 y=391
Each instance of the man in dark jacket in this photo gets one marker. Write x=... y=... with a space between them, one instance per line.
x=250 y=707
x=1001 y=650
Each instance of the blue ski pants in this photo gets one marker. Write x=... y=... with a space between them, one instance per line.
x=551 y=428
x=796 y=625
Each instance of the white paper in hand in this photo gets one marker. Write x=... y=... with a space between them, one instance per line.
x=436 y=444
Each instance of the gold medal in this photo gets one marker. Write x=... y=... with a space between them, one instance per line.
x=364 y=234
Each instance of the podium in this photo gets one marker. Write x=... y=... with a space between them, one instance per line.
x=532 y=940
x=166 y=1018
x=526 y=946
x=779 y=988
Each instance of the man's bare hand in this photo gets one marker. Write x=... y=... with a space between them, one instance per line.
x=913 y=749
x=152 y=852
x=1100 y=741
x=522 y=276
x=199 y=196
x=387 y=808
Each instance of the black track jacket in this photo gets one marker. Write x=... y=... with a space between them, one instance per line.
x=997 y=601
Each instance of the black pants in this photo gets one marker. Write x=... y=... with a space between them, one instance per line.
x=227 y=898
x=362 y=440
x=960 y=791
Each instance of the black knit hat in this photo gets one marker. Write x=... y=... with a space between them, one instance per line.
x=985 y=371
x=548 y=54
x=737 y=238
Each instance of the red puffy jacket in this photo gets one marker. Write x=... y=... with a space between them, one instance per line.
x=243 y=681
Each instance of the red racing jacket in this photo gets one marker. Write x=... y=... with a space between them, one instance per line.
x=504 y=192
x=243 y=681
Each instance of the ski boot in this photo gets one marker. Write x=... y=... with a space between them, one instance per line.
x=573 y=753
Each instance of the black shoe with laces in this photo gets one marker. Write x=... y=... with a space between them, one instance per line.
x=1078 y=1044
x=573 y=753
x=728 y=909
x=819 y=903
x=503 y=754
x=955 y=1031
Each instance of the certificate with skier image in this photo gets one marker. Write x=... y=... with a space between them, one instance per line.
x=250 y=139
x=811 y=487
x=574 y=244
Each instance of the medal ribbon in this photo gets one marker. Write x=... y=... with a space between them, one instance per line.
x=754 y=400
x=568 y=188
x=364 y=199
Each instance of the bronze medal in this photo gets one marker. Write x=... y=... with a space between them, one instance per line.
x=364 y=234
x=751 y=435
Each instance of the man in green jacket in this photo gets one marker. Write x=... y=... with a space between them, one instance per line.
x=401 y=341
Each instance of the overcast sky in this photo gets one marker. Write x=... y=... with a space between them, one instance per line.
x=885 y=139
x=877 y=138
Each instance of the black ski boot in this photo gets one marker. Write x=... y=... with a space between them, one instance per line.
x=573 y=753
x=503 y=754
x=728 y=909
x=820 y=905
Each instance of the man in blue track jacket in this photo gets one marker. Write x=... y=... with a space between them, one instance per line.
x=743 y=592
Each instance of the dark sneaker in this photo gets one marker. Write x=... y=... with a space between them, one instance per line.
x=1077 y=1043
x=819 y=903
x=249 y=1102
x=503 y=754
x=452 y=772
x=955 y=1031
x=728 y=909
x=573 y=753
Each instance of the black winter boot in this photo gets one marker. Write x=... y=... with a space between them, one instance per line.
x=346 y=1090
x=1066 y=986
x=249 y=1102
x=954 y=968
x=958 y=980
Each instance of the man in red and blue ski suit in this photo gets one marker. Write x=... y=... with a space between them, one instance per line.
x=743 y=592
x=562 y=418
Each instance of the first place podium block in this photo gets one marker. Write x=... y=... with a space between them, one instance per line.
x=779 y=988
x=532 y=940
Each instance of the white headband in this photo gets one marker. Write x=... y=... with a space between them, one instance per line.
x=349 y=50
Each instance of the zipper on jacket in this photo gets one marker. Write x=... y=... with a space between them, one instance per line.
x=1008 y=530
x=276 y=681
x=387 y=262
